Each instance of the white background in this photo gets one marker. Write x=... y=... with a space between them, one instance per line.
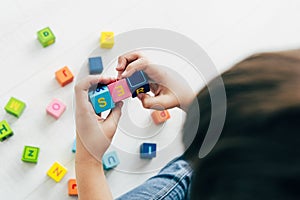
x=227 y=30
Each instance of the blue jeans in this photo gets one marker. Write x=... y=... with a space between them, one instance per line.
x=172 y=182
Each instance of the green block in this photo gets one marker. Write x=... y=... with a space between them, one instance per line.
x=30 y=154
x=15 y=107
x=5 y=131
x=46 y=37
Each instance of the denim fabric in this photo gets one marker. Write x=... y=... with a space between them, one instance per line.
x=172 y=182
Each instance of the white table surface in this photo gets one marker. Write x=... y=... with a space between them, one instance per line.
x=227 y=30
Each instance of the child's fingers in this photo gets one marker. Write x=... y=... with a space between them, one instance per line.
x=134 y=66
x=160 y=102
x=112 y=120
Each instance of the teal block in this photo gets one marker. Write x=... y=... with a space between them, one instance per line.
x=110 y=160
x=148 y=150
x=101 y=99
x=74 y=146
x=95 y=65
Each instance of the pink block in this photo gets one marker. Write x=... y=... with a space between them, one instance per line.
x=119 y=90
x=56 y=108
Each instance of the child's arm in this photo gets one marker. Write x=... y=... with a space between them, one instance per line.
x=94 y=135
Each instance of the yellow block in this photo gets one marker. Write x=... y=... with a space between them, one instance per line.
x=57 y=171
x=107 y=40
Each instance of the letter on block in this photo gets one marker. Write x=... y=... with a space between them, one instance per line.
x=160 y=116
x=57 y=172
x=119 y=90
x=95 y=65
x=138 y=83
x=30 y=154
x=56 y=108
x=107 y=40
x=148 y=150
x=101 y=99
x=5 y=131
x=72 y=187
x=110 y=160
x=46 y=37
x=74 y=146
x=64 y=76
x=15 y=107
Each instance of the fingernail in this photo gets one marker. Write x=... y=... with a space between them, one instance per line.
x=120 y=104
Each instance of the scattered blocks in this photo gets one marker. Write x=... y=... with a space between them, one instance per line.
x=119 y=90
x=56 y=108
x=5 y=131
x=57 y=172
x=72 y=187
x=110 y=160
x=95 y=65
x=101 y=99
x=107 y=40
x=138 y=83
x=46 y=37
x=148 y=150
x=64 y=76
x=160 y=116
x=30 y=154
x=15 y=107
x=74 y=146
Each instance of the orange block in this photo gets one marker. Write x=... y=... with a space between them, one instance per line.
x=160 y=116
x=72 y=187
x=64 y=76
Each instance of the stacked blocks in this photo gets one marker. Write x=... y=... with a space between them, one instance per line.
x=64 y=76
x=5 y=131
x=107 y=40
x=148 y=150
x=138 y=83
x=56 y=108
x=110 y=160
x=46 y=37
x=72 y=187
x=57 y=172
x=160 y=116
x=101 y=99
x=30 y=154
x=119 y=90
x=95 y=65
x=15 y=107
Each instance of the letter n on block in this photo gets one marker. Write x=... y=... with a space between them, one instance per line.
x=101 y=99
x=57 y=172
x=110 y=160
x=138 y=83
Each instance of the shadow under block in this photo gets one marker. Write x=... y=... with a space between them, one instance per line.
x=72 y=187
x=148 y=150
x=5 y=131
x=101 y=99
x=30 y=154
x=119 y=90
x=46 y=37
x=107 y=40
x=110 y=160
x=64 y=76
x=138 y=83
x=57 y=172
x=15 y=107
x=56 y=108
x=95 y=65
x=160 y=116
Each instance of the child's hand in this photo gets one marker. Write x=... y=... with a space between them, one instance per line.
x=94 y=132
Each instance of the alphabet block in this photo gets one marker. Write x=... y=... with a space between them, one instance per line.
x=160 y=116
x=15 y=107
x=101 y=99
x=64 y=76
x=148 y=150
x=95 y=65
x=110 y=160
x=72 y=187
x=5 y=131
x=56 y=108
x=119 y=90
x=107 y=40
x=30 y=154
x=57 y=172
x=138 y=83
x=46 y=37
x=74 y=146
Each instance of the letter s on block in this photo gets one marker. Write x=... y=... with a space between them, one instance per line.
x=102 y=102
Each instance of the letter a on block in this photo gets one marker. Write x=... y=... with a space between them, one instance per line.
x=57 y=172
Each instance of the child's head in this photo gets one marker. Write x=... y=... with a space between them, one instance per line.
x=257 y=155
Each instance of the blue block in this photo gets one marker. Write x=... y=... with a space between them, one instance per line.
x=110 y=160
x=95 y=65
x=148 y=150
x=101 y=99
x=74 y=146
x=138 y=83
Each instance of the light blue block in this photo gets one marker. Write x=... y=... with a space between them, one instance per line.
x=95 y=65
x=101 y=99
x=148 y=150
x=110 y=160
x=74 y=146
